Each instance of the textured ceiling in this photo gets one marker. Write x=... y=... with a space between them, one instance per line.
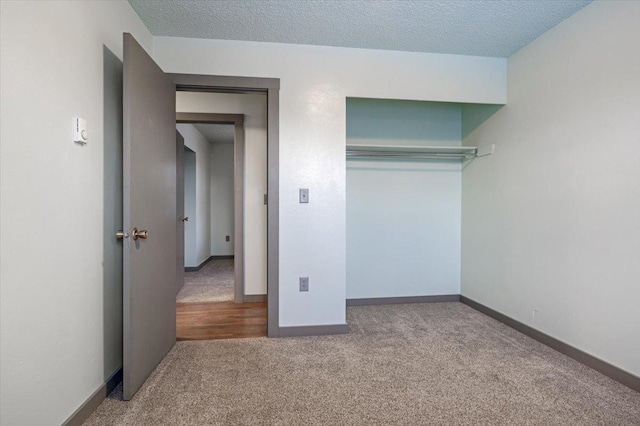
x=216 y=133
x=466 y=27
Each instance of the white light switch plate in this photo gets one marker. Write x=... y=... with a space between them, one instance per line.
x=304 y=195
x=80 y=132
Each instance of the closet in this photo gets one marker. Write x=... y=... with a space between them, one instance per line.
x=404 y=192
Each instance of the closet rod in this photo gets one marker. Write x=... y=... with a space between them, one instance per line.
x=417 y=152
x=399 y=154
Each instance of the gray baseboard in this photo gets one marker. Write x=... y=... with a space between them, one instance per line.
x=197 y=268
x=92 y=403
x=252 y=298
x=597 y=364
x=209 y=259
x=313 y=330
x=403 y=300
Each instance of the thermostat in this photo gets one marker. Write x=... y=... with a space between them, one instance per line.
x=80 y=134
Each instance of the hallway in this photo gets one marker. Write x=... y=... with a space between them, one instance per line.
x=212 y=283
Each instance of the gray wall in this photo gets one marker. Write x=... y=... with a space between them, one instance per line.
x=403 y=218
x=551 y=235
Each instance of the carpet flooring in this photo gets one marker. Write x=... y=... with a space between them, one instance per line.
x=212 y=283
x=421 y=364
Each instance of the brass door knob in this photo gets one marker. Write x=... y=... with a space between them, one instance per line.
x=185 y=219
x=121 y=234
x=143 y=234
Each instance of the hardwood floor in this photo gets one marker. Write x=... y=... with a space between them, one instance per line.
x=220 y=320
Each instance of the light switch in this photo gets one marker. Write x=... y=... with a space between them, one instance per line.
x=304 y=195
x=80 y=132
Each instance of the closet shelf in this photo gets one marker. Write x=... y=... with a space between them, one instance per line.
x=451 y=153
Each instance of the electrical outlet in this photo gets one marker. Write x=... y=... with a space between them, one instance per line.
x=304 y=283
x=227 y=238
x=304 y=195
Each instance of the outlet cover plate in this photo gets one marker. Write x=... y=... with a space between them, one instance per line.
x=304 y=283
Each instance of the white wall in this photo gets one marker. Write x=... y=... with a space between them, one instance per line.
x=254 y=108
x=403 y=218
x=222 y=208
x=315 y=82
x=195 y=141
x=550 y=221
x=61 y=292
x=190 y=209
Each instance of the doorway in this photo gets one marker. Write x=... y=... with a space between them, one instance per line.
x=208 y=213
x=194 y=83
x=225 y=284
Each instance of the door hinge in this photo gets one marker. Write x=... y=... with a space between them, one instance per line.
x=266 y=199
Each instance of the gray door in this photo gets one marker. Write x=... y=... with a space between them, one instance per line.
x=180 y=209
x=149 y=144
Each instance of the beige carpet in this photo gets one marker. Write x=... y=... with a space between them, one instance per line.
x=212 y=283
x=441 y=363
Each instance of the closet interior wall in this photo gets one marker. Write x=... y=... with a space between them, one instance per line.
x=403 y=216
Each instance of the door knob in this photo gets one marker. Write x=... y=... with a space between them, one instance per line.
x=121 y=234
x=143 y=234
x=185 y=219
